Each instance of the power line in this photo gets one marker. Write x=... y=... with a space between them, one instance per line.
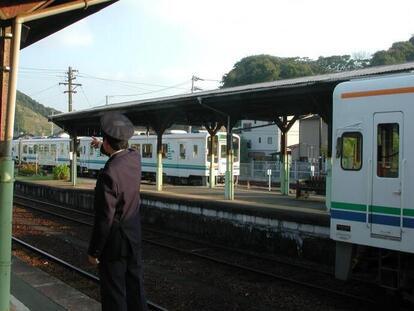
x=86 y=97
x=41 y=69
x=87 y=76
x=44 y=90
x=151 y=92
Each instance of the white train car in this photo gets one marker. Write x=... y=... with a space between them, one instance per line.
x=47 y=152
x=185 y=156
x=373 y=172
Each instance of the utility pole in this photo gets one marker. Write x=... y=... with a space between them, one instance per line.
x=195 y=88
x=71 y=86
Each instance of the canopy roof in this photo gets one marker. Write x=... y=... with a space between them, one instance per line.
x=262 y=101
x=38 y=29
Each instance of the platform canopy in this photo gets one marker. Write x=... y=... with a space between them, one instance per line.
x=36 y=30
x=262 y=101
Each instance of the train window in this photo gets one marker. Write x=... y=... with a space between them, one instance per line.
x=62 y=148
x=25 y=149
x=195 y=151
x=164 y=150
x=246 y=127
x=53 y=148
x=137 y=147
x=182 y=151
x=84 y=149
x=236 y=149
x=30 y=149
x=91 y=150
x=388 y=140
x=35 y=148
x=46 y=148
x=147 y=150
x=351 y=153
x=223 y=151
x=215 y=144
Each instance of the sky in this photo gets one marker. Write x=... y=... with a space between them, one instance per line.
x=137 y=49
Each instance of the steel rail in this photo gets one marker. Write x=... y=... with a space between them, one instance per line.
x=238 y=266
x=71 y=267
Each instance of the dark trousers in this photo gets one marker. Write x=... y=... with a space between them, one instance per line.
x=122 y=287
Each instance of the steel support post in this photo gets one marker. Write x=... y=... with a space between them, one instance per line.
x=212 y=175
x=212 y=130
x=284 y=165
x=229 y=184
x=6 y=161
x=284 y=126
x=159 y=171
x=73 y=162
x=6 y=203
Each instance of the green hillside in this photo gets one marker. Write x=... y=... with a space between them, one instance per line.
x=31 y=117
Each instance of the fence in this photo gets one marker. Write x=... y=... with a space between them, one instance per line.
x=257 y=170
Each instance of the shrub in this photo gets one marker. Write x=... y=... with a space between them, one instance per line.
x=61 y=172
x=27 y=169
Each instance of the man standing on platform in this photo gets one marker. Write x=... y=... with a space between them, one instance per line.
x=116 y=237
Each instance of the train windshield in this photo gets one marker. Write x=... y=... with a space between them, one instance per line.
x=215 y=146
x=236 y=144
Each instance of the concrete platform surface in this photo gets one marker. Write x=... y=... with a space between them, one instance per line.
x=259 y=197
x=35 y=290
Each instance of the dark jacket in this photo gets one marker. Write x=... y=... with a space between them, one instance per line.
x=117 y=200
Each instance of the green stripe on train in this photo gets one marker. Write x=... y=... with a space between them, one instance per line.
x=372 y=208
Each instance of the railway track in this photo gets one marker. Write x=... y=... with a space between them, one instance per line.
x=86 y=219
x=82 y=273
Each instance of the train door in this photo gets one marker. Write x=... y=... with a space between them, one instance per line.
x=386 y=207
x=182 y=158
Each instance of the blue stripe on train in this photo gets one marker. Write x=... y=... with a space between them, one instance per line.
x=376 y=219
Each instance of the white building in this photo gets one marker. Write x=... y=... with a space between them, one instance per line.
x=264 y=141
x=313 y=135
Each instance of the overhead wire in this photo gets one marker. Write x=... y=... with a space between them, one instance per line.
x=86 y=97
x=44 y=90
x=88 y=76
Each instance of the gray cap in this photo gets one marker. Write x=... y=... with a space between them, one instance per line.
x=117 y=126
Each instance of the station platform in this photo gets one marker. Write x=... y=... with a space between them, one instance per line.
x=257 y=219
x=254 y=197
x=35 y=290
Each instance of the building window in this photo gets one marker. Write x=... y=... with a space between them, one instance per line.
x=269 y=140
x=147 y=150
x=182 y=151
x=388 y=139
x=351 y=154
x=260 y=140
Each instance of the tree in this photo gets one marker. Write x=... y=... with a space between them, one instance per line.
x=252 y=69
x=399 y=52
